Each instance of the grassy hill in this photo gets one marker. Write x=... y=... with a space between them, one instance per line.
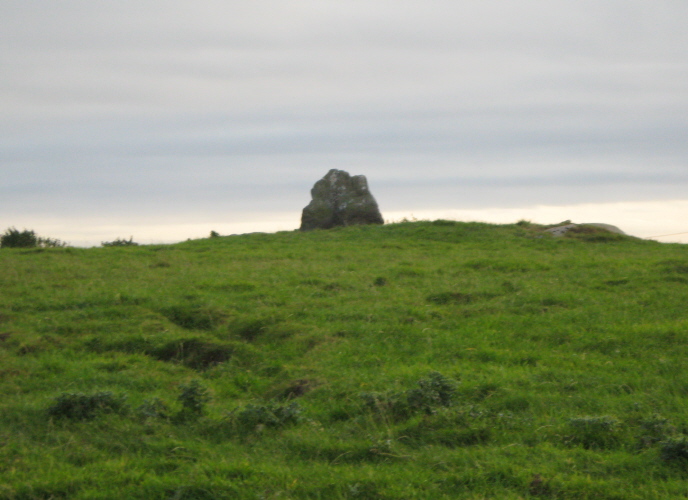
x=413 y=360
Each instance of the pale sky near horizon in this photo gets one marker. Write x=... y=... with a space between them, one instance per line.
x=165 y=120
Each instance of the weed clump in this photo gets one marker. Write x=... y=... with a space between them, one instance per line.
x=654 y=430
x=79 y=406
x=196 y=353
x=254 y=417
x=387 y=404
x=595 y=432
x=433 y=392
x=193 y=397
x=154 y=408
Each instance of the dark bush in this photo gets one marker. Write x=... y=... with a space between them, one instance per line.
x=13 y=238
x=78 y=406
x=119 y=242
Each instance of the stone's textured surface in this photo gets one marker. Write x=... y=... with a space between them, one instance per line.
x=340 y=200
x=560 y=230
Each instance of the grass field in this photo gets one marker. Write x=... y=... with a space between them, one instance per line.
x=413 y=360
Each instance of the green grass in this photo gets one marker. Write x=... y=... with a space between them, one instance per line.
x=412 y=360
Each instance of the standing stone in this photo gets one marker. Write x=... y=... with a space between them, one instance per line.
x=340 y=200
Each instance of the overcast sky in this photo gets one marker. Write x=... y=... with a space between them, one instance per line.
x=165 y=119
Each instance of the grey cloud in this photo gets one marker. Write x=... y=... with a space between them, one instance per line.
x=198 y=102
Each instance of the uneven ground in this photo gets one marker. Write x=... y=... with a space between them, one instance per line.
x=413 y=360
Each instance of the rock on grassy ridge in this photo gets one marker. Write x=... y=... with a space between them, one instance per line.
x=340 y=200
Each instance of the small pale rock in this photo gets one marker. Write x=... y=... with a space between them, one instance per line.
x=560 y=230
x=340 y=200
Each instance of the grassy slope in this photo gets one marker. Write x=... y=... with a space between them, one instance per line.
x=569 y=357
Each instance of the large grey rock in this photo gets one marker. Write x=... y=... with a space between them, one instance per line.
x=340 y=200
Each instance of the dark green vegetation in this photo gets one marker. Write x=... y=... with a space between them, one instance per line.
x=120 y=242
x=413 y=360
x=14 y=238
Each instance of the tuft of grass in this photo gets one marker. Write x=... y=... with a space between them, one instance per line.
x=594 y=432
x=79 y=406
x=194 y=397
x=194 y=317
x=253 y=417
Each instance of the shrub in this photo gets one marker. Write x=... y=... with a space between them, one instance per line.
x=79 y=406
x=13 y=238
x=119 y=242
